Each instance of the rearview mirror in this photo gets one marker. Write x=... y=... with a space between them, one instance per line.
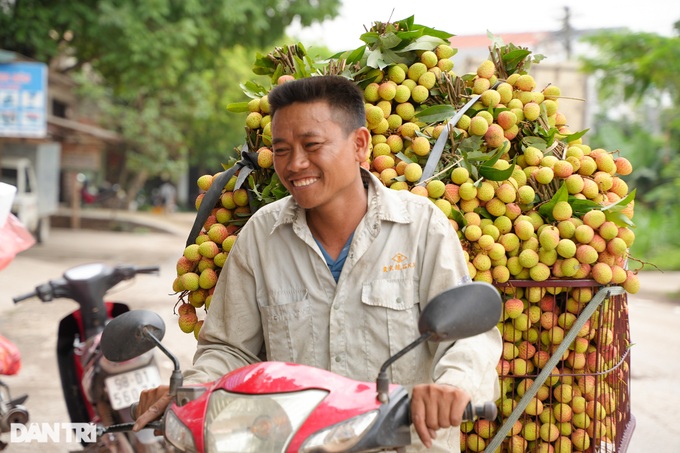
x=131 y=334
x=460 y=312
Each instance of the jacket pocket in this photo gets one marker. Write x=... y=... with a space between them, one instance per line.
x=289 y=331
x=391 y=323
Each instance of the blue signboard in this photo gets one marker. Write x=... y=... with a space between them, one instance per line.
x=23 y=99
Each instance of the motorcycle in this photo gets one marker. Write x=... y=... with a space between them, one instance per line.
x=97 y=390
x=12 y=410
x=286 y=407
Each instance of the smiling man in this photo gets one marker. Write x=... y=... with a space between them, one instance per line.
x=336 y=274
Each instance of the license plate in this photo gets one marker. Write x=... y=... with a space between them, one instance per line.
x=124 y=388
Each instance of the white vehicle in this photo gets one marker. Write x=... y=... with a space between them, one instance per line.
x=20 y=173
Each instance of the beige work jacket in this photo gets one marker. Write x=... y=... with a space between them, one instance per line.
x=276 y=290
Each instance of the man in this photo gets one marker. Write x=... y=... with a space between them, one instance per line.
x=335 y=275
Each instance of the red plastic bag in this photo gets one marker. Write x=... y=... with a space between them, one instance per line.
x=10 y=358
x=14 y=238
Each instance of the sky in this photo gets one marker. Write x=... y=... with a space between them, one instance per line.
x=497 y=16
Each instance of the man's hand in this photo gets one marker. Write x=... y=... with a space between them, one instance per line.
x=152 y=404
x=435 y=406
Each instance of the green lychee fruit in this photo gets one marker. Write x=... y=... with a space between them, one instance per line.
x=429 y=58
x=371 y=92
x=189 y=281
x=416 y=70
x=562 y=211
x=253 y=120
x=478 y=126
x=419 y=94
x=531 y=111
x=608 y=230
x=413 y=172
x=207 y=279
x=494 y=136
x=586 y=254
x=436 y=188
x=187 y=322
x=191 y=252
x=396 y=74
x=486 y=69
x=602 y=273
x=524 y=229
x=204 y=182
x=208 y=249
x=460 y=175
x=444 y=51
x=525 y=82
x=428 y=80
x=421 y=146
x=387 y=90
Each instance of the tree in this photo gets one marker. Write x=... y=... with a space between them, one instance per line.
x=639 y=86
x=151 y=68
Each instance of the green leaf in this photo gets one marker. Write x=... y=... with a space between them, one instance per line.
x=436 y=113
x=375 y=59
x=546 y=208
x=389 y=41
x=237 y=107
x=425 y=43
x=580 y=207
x=495 y=174
x=458 y=217
x=403 y=157
x=614 y=211
x=575 y=135
x=370 y=38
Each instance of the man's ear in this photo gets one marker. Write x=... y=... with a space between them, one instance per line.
x=362 y=138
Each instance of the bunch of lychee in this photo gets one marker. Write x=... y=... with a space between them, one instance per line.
x=505 y=233
x=583 y=401
x=200 y=263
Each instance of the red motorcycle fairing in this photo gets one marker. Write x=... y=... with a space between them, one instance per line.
x=70 y=363
x=346 y=397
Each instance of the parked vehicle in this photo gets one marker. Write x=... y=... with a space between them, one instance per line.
x=34 y=170
x=97 y=390
x=285 y=407
x=12 y=409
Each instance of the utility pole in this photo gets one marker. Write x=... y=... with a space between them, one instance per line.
x=567 y=31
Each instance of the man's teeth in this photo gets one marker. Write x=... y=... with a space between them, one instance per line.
x=304 y=182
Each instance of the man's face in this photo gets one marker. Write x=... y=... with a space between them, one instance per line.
x=316 y=160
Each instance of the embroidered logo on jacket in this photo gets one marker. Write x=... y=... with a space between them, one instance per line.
x=401 y=263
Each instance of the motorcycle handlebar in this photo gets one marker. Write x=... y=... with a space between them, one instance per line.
x=18 y=299
x=147 y=269
x=487 y=411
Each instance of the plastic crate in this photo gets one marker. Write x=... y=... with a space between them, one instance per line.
x=565 y=371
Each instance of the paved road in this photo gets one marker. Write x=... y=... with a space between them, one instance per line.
x=32 y=325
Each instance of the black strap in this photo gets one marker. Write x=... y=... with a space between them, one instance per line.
x=248 y=163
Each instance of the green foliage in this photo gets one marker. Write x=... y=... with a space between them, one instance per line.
x=159 y=72
x=642 y=70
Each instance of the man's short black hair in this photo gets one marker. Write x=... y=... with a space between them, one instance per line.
x=341 y=94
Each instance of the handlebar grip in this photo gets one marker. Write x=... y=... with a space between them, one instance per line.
x=18 y=299
x=487 y=411
x=147 y=269
x=133 y=410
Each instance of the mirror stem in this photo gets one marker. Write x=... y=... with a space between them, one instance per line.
x=383 y=382
x=176 y=378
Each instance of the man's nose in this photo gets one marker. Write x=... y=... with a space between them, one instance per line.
x=298 y=159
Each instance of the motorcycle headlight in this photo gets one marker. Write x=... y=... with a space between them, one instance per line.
x=341 y=436
x=178 y=434
x=256 y=423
